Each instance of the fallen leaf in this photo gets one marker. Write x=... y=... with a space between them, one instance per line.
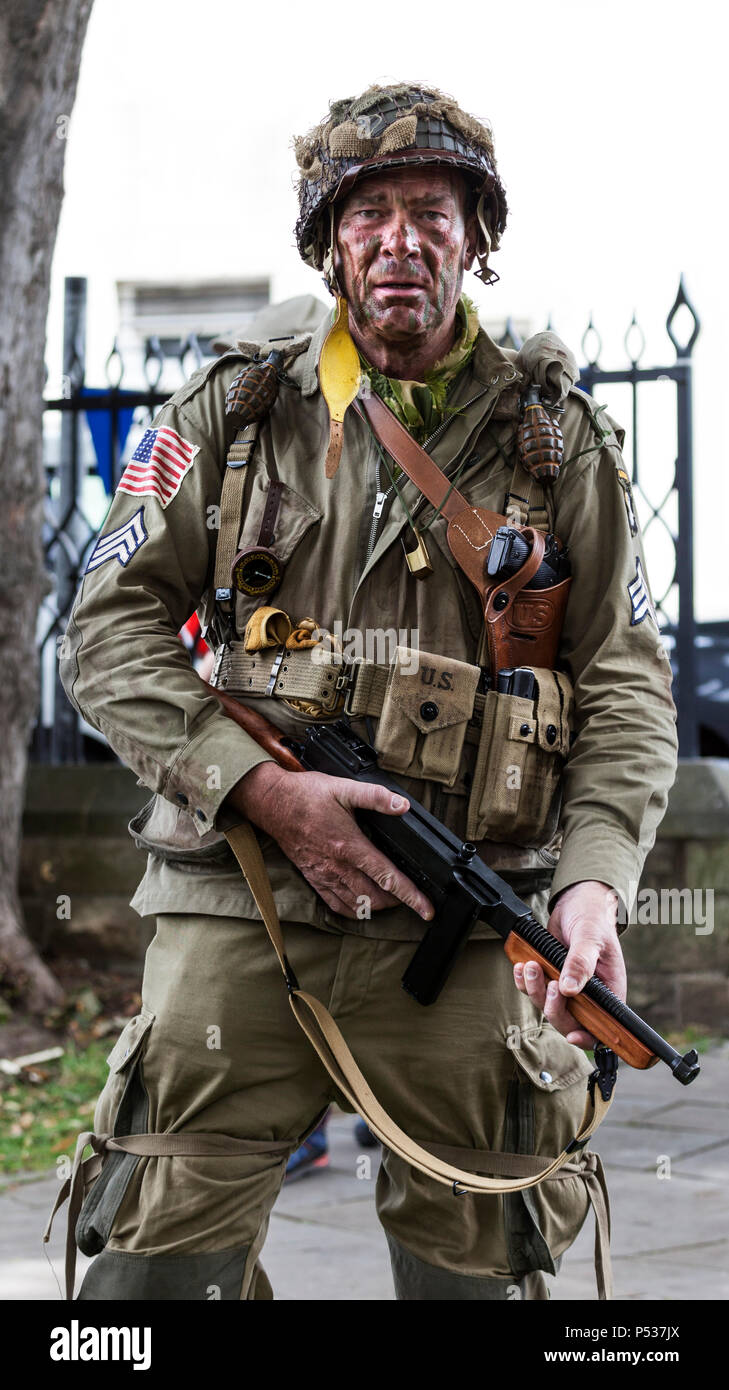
x=62 y=1145
x=101 y=1027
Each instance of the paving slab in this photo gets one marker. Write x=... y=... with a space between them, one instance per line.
x=670 y=1234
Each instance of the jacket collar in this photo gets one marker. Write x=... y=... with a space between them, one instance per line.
x=489 y=365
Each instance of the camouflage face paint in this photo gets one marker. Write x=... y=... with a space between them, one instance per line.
x=399 y=259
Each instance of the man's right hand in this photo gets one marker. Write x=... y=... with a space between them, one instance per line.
x=309 y=814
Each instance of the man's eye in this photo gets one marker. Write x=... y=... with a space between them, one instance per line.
x=433 y=213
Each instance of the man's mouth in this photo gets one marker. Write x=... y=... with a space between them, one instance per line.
x=399 y=286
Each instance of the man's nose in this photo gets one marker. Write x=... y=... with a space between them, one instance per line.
x=400 y=238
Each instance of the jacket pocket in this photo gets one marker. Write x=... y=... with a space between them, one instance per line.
x=294 y=519
x=428 y=703
x=515 y=794
x=544 y=1105
x=123 y=1108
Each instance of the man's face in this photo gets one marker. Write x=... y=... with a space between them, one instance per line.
x=402 y=244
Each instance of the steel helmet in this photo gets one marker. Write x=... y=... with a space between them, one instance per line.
x=393 y=127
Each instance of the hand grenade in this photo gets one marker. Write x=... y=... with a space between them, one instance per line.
x=252 y=393
x=539 y=440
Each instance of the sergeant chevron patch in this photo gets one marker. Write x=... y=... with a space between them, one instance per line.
x=120 y=544
x=640 y=602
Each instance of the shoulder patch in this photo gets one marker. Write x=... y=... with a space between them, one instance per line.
x=640 y=601
x=120 y=544
x=627 y=491
x=158 y=465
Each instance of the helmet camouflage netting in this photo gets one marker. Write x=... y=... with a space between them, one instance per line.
x=393 y=127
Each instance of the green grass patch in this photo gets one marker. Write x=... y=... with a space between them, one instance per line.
x=691 y=1036
x=40 y=1122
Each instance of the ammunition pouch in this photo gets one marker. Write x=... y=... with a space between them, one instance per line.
x=428 y=702
x=428 y=707
x=515 y=794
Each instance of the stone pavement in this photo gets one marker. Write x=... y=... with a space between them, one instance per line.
x=669 y=1232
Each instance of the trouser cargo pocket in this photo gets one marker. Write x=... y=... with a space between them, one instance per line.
x=544 y=1103
x=123 y=1108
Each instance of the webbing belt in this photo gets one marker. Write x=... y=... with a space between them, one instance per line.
x=295 y=675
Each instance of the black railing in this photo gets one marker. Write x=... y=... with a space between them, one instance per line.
x=101 y=426
x=74 y=511
x=680 y=583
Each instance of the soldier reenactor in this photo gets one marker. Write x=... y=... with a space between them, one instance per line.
x=275 y=496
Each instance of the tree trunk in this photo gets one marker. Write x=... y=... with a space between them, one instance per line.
x=40 y=55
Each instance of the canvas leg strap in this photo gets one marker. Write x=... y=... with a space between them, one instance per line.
x=518 y=1165
x=85 y=1170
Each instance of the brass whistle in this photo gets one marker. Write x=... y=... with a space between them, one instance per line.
x=418 y=560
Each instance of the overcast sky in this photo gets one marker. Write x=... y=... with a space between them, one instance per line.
x=610 y=131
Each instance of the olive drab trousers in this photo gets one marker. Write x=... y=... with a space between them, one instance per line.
x=216 y=1049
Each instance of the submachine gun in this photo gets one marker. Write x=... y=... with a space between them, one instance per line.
x=462 y=889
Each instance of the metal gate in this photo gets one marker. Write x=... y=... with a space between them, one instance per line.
x=683 y=632
x=72 y=522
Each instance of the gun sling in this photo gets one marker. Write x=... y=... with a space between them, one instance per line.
x=515 y=1171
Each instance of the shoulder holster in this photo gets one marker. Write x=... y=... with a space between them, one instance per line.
x=523 y=625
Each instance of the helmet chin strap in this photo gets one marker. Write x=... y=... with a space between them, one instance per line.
x=483 y=249
x=330 y=278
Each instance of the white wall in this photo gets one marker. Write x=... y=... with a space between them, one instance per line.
x=609 y=126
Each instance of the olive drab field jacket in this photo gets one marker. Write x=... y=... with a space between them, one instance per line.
x=339 y=546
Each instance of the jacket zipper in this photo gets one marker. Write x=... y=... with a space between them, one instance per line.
x=377 y=510
x=382 y=497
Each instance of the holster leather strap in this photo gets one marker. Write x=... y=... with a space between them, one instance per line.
x=523 y=626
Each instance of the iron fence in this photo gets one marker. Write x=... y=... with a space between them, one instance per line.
x=100 y=426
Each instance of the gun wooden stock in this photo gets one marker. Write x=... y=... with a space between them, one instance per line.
x=260 y=728
x=585 y=1011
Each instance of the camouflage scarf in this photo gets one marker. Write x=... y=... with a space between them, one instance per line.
x=421 y=405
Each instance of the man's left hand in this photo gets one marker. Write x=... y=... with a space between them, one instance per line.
x=584 y=919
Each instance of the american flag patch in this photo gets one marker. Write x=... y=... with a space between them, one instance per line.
x=158 y=465
x=120 y=544
x=640 y=601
